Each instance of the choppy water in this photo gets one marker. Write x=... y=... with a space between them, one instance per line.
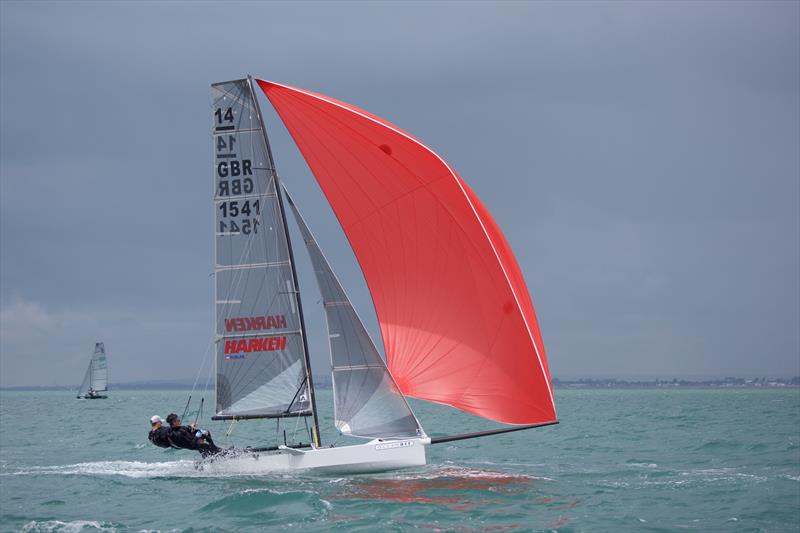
x=621 y=460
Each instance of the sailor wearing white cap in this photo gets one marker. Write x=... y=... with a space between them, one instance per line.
x=159 y=435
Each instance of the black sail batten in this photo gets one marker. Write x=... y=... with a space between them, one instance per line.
x=307 y=360
x=294 y=414
x=464 y=436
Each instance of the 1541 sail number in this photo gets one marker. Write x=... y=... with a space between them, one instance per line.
x=236 y=208
x=246 y=226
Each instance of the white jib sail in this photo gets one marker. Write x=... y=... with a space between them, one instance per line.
x=367 y=402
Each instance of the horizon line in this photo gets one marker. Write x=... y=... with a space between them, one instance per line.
x=189 y=383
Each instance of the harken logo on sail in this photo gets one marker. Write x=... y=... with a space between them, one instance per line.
x=235 y=348
x=251 y=323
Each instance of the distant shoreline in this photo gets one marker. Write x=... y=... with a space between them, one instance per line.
x=726 y=383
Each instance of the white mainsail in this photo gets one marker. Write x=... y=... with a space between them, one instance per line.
x=260 y=351
x=96 y=377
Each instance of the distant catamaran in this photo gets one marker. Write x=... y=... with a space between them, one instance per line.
x=457 y=322
x=96 y=379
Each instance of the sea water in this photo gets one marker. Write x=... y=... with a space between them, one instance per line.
x=621 y=460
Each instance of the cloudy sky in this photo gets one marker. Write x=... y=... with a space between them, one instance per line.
x=642 y=159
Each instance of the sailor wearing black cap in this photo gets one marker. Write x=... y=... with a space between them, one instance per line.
x=190 y=437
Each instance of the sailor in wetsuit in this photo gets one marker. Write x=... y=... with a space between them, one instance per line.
x=159 y=435
x=190 y=437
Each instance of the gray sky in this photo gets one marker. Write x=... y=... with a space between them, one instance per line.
x=641 y=158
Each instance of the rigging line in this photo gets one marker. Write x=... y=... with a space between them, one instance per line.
x=299 y=388
x=229 y=432
x=206 y=357
x=208 y=381
x=202 y=365
x=185 y=409
x=296 y=424
x=199 y=411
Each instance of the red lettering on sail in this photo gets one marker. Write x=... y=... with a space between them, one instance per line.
x=256 y=344
x=255 y=323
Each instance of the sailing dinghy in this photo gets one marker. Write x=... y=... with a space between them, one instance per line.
x=457 y=321
x=96 y=379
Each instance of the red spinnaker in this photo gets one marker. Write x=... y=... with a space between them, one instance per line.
x=457 y=321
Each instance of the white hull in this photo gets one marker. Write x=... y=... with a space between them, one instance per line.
x=374 y=456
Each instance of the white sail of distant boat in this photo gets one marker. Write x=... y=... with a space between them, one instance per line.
x=457 y=322
x=96 y=379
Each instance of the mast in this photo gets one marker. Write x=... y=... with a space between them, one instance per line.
x=307 y=359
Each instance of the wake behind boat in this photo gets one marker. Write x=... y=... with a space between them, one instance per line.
x=96 y=379
x=457 y=322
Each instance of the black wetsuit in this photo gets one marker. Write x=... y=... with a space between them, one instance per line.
x=160 y=437
x=184 y=437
